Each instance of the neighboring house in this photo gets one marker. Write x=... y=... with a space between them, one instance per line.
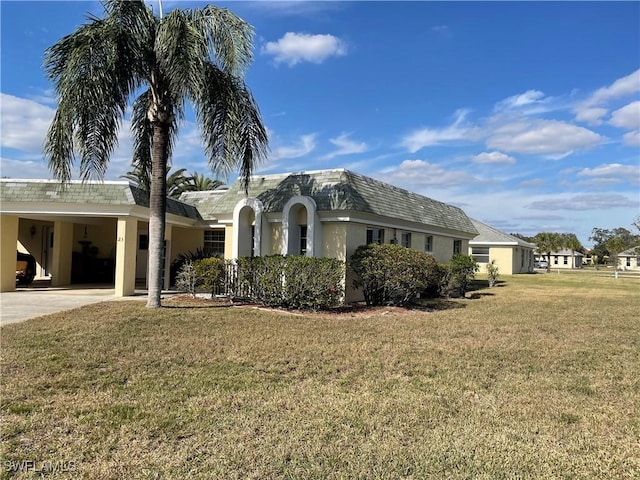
x=562 y=259
x=512 y=255
x=328 y=213
x=629 y=259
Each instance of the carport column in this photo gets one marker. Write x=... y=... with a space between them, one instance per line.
x=8 y=247
x=62 y=252
x=168 y=256
x=127 y=238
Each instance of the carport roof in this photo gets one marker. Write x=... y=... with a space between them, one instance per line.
x=490 y=235
x=122 y=193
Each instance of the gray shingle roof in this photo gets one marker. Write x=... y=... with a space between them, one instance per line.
x=342 y=190
x=488 y=234
x=93 y=193
x=631 y=252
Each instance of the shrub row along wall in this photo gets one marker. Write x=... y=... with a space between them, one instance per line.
x=293 y=281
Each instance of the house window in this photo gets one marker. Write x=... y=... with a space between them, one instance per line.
x=555 y=259
x=214 y=242
x=457 y=246
x=428 y=243
x=565 y=259
x=303 y=240
x=405 y=239
x=628 y=261
x=375 y=235
x=480 y=254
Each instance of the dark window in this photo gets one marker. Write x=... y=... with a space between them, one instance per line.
x=303 y=239
x=428 y=243
x=457 y=246
x=143 y=242
x=405 y=239
x=375 y=235
x=480 y=254
x=566 y=260
x=214 y=242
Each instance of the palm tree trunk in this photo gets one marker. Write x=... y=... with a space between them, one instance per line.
x=157 y=209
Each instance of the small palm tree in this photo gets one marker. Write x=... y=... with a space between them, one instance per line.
x=547 y=242
x=177 y=182
x=202 y=183
x=198 y=56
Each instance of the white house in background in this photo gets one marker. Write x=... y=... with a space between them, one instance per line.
x=512 y=255
x=629 y=259
x=562 y=259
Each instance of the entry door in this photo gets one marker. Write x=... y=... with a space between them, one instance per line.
x=142 y=256
x=47 y=251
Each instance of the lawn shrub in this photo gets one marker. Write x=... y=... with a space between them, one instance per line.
x=209 y=273
x=181 y=259
x=186 y=278
x=456 y=276
x=293 y=281
x=492 y=273
x=393 y=274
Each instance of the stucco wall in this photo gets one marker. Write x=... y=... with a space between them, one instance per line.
x=185 y=240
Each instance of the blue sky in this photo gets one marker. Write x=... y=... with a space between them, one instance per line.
x=526 y=115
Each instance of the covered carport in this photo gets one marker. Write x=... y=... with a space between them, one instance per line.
x=82 y=232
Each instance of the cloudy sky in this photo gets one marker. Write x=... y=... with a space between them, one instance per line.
x=526 y=115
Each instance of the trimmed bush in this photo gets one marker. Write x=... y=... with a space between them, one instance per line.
x=393 y=274
x=292 y=281
x=209 y=273
x=456 y=276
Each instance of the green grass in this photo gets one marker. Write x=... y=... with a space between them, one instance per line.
x=536 y=378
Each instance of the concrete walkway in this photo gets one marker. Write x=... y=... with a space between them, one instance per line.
x=31 y=302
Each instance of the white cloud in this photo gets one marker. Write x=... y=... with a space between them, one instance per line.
x=610 y=173
x=627 y=116
x=552 y=138
x=593 y=108
x=294 y=48
x=584 y=202
x=304 y=146
x=632 y=138
x=413 y=174
x=427 y=137
x=493 y=157
x=346 y=146
x=526 y=98
x=24 y=123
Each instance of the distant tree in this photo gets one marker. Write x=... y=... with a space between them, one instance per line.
x=523 y=237
x=609 y=243
x=570 y=241
x=202 y=183
x=177 y=182
x=547 y=242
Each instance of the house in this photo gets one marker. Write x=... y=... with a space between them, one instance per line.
x=512 y=255
x=629 y=259
x=562 y=259
x=73 y=231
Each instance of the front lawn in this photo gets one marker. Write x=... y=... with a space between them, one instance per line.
x=536 y=378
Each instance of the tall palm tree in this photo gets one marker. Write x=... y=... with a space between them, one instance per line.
x=201 y=183
x=198 y=56
x=547 y=242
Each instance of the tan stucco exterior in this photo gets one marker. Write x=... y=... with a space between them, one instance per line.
x=8 y=240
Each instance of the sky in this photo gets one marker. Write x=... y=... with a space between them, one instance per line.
x=524 y=114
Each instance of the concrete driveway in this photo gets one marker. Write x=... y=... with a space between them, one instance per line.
x=31 y=302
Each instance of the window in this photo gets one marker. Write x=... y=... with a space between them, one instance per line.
x=405 y=239
x=628 y=261
x=428 y=243
x=565 y=259
x=303 y=240
x=214 y=242
x=480 y=254
x=555 y=259
x=457 y=246
x=375 y=235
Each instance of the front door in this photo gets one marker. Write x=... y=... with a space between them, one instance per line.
x=47 y=251
x=142 y=257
